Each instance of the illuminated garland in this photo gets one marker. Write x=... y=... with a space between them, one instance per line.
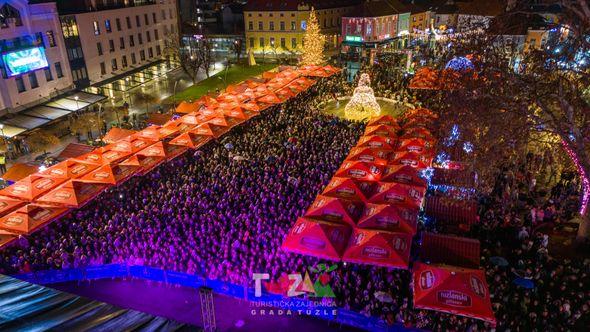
x=583 y=176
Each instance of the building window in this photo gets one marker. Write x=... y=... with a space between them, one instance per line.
x=272 y=41
x=250 y=25
x=137 y=21
x=293 y=43
x=158 y=50
x=140 y=38
x=271 y=26
x=163 y=14
x=261 y=42
x=293 y=26
x=48 y=75
x=20 y=84
x=33 y=80
x=133 y=59
x=111 y=46
x=128 y=19
x=150 y=52
x=50 y=38
x=124 y=61
x=145 y=19
x=103 y=69
x=154 y=18
x=58 y=70
x=107 y=25
x=283 y=43
x=114 y=64
x=142 y=55
x=122 y=42
x=148 y=36
x=251 y=42
x=156 y=34
x=260 y=26
x=118 y=22
x=282 y=25
x=96 y=28
x=131 y=41
x=99 y=48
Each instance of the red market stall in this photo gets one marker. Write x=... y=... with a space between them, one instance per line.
x=378 y=248
x=450 y=211
x=173 y=150
x=144 y=163
x=398 y=194
x=389 y=218
x=317 y=238
x=420 y=113
x=381 y=130
x=269 y=98
x=374 y=141
x=346 y=189
x=403 y=174
x=418 y=132
x=156 y=133
x=117 y=134
x=72 y=194
x=30 y=217
x=8 y=204
x=185 y=107
x=218 y=126
x=371 y=155
x=450 y=250
x=412 y=159
x=334 y=209
x=32 y=186
x=70 y=169
x=453 y=290
x=192 y=139
x=417 y=145
x=111 y=174
x=385 y=120
x=104 y=155
x=130 y=144
x=360 y=170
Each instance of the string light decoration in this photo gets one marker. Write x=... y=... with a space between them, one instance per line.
x=362 y=104
x=583 y=176
x=313 y=42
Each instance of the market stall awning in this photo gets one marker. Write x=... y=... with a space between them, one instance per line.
x=360 y=170
x=345 y=188
x=74 y=150
x=32 y=186
x=19 y=171
x=30 y=217
x=389 y=217
x=317 y=238
x=116 y=134
x=379 y=248
x=398 y=194
x=403 y=174
x=334 y=209
x=25 y=121
x=73 y=193
x=111 y=174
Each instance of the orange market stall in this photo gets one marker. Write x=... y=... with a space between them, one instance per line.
x=72 y=194
x=111 y=174
x=30 y=217
x=317 y=238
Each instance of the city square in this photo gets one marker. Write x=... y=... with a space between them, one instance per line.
x=321 y=165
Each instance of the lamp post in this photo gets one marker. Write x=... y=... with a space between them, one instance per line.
x=2 y=131
x=77 y=106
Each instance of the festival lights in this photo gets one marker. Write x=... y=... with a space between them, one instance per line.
x=313 y=42
x=583 y=176
x=363 y=104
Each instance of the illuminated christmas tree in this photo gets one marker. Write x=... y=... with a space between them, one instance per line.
x=363 y=104
x=313 y=42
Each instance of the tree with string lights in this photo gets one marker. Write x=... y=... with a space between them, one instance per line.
x=313 y=42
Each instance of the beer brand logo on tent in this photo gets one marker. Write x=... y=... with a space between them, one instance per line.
x=333 y=216
x=366 y=157
x=391 y=197
x=111 y=155
x=375 y=252
x=152 y=152
x=375 y=144
x=101 y=175
x=40 y=214
x=92 y=157
x=403 y=178
x=62 y=195
x=477 y=286
x=408 y=162
x=57 y=171
x=44 y=183
x=414 y=148
x=19 y=189
x=453 y=298
x=387 y=221
x=427 y=279
x=138 y=143
x=182 y=141
x=313 y=243
x=375 y=170
x=346 y=191
x=399 y=244
x=14 y=221
x=415 y=194
x=79 y=169
x=357 y=173
x=299 y=228
x=358 y=240
x=351 y=208
x=320 y=202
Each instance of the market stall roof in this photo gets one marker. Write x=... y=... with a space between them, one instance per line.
x=73 y=194
x=69 y=169
x=379 y=248
x=334 y=209
x=372 y=155
x=191 y=139
x=8 y=204
x=403 y=174
x=116 y=134
x=6 y=238
x=30 y=217
x=158 y=118
x=11 y=131
x=389 y=217
x=32 y=186
x=360 y=170
x=111 y=174
x=398 y=194
x=345 y=188
x=453 y=290
x=46 y=112
x=19 y=171
x=317 y=238
x=74 y=150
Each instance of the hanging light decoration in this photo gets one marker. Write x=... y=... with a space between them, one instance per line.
x=363 y=104
x=583 y=176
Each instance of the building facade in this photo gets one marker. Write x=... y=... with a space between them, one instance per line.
x=106 y=39
x=33 y=58
x=279 y=26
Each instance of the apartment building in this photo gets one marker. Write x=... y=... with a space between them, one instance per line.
x=108 y=38
x=33 y=56
x=279 y=26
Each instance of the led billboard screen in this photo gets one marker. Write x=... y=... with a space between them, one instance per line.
x=24 y=61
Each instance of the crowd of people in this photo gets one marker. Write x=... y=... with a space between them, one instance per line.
x=222 y=212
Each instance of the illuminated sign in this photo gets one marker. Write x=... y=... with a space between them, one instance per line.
x=24 y=61
x=353 y=39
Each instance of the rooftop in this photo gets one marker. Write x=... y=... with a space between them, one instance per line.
x=291 y=5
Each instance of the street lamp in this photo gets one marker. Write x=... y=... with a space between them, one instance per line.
x=77 y=106
x=2 y=130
